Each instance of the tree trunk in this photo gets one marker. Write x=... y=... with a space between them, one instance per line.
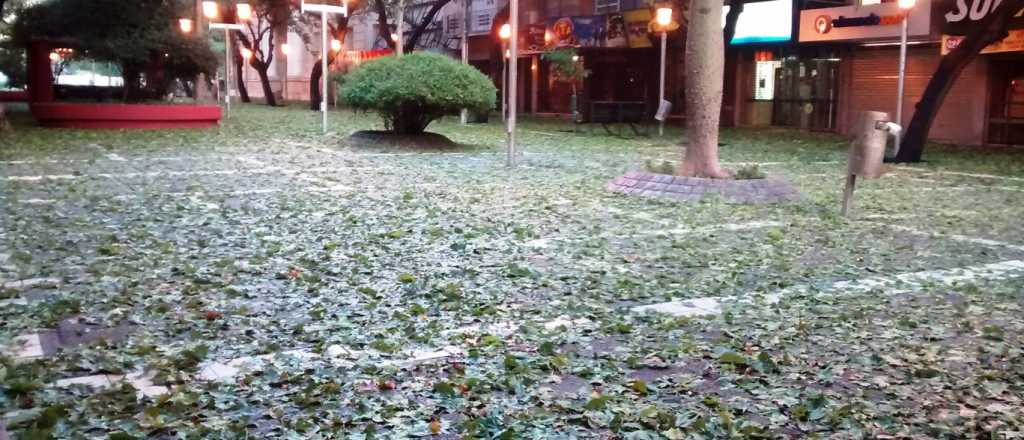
x=268 y=90
x=990 y=30
x=132 y=88
x=4 y=125
x=243 y=92
x=314 y=87
x=705 y=59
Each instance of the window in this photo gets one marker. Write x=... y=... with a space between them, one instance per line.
x=606 y=6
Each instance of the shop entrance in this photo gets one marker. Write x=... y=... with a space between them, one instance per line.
x=1006 y=112
x=805 y=94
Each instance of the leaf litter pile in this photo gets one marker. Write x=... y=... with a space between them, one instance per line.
x=268 y=282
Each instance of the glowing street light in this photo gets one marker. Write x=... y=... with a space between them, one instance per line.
x=664 y=20
x=285 y=48
x=244 y=11
x=905 y=7
x=246 y=53
x=505 y=32
x=335 y=45
x=211 y=10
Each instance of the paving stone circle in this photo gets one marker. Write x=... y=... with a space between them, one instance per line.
x=646 y=184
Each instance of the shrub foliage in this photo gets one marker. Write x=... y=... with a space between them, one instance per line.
x=410 y=92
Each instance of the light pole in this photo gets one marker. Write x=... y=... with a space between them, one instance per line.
x=328 y=7
x=513 y=62
x=284 y=81
x=464 y=116
x=504 y=33
x=664 y=19
x=212 y=10
x=905 y=7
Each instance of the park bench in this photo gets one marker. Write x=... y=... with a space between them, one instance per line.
x=617 y=113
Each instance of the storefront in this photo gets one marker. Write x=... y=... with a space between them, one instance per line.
x=621 y=54
x=1005 y=60
x=863 y=41
x=771 y=80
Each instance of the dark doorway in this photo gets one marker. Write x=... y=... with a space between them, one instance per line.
x=805 y=94
x=1006 y=108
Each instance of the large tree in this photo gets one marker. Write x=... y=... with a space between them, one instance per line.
x=268 y=16
x=135 y=38
x=992 y=28
x=704 y=60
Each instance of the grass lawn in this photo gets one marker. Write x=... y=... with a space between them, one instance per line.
x=262 y=280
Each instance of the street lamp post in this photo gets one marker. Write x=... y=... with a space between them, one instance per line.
x=504 y=33
x=284 y=81
x=905 y=7
x=513 y=12
x=664 y=19
x=212 y=10
x=464 y=116
x=324 y=9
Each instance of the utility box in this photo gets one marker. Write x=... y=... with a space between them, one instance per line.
x=867 y=151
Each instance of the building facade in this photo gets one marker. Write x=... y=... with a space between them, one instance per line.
x=809 y=64
x=845 y=60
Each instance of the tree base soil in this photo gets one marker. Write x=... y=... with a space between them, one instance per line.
x=646 y=184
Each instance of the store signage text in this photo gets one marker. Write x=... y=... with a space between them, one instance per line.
x=1014 y=42
x=962 y=14
x=824 y=23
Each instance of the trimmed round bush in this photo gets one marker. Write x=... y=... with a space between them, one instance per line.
x=412 y=91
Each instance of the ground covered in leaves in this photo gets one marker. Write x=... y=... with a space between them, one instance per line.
x=264 y=281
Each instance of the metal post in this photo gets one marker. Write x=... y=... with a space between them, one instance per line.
x=227 y=71
x=400 y=44
x=902 y=76
x=504 y=83
x=512 y=74
x=323 y=70
x=851 y=183
x=661 y=83
x=284 y=80
x=465 y=49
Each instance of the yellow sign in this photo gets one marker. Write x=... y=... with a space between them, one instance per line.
x=636 y=27
x=1014 y=42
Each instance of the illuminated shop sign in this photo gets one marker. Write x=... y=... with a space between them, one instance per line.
x=824 y=23
x=872 y=22
x=763 y=22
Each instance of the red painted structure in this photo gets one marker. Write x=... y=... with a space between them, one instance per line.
x=72 y=115
x=69 y=115
x=15 y=96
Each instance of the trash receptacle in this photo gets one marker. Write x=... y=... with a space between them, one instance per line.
x=867 y=151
